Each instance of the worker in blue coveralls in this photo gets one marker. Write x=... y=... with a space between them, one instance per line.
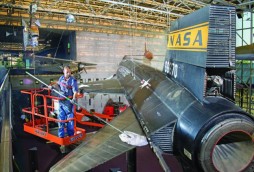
x=68 y=87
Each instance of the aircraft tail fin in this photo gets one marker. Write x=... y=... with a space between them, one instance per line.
x=203 y=50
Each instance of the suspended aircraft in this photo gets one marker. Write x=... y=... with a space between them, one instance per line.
x=42 y=65
x=45 y=64
x=178 y=113
x=148 y=54
x=31 y=29
x=245 y=56
x=245 y=52
x=55 y=65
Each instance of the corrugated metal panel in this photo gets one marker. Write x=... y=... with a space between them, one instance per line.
x=220 y=51
x=163 y=138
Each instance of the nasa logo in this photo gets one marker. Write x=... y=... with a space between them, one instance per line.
x=187 y=39
x=191 y=38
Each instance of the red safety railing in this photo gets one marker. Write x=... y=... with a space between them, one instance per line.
x=39 y=120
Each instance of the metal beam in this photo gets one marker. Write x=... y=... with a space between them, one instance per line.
x=246 y=3
x=142 y=8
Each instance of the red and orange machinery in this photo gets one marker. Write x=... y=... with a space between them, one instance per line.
x=42 y=124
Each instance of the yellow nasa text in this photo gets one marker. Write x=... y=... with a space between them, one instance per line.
x=192 y=38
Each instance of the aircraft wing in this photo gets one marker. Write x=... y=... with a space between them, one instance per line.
x=246 y=49
x=101 y=147
x=58 y=60
x=244 y=56
x=105 y=86
x=245 y=52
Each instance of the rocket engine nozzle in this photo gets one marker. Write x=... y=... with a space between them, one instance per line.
x=228 y=146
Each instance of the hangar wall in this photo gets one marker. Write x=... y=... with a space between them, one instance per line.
x=107 y=50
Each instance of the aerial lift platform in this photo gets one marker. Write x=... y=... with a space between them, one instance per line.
x=40 y=121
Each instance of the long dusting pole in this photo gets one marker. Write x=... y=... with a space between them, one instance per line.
x=73 y=102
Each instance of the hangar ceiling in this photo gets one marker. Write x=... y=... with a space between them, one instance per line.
x=128 y=17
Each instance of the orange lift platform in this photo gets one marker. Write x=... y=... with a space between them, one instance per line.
x=110 y=111
x=42 y=124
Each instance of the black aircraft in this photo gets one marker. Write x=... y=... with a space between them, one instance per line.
x=55 y=65
x=45 y=65
x=187 y=110
x=47 y=68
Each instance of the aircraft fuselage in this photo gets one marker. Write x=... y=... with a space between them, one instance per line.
x=178 y=123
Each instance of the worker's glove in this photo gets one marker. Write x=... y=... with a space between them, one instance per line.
x=133 y=138
x=23 y=116
x=50 y=87
x=73 y=101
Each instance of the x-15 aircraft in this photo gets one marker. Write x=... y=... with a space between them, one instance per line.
x=183 y=112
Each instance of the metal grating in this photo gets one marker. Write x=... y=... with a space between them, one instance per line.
x=163 y=138
x=221 y=43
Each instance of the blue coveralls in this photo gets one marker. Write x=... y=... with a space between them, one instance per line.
x=65 y=106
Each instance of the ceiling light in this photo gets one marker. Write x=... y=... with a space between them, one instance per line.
x=70 y=18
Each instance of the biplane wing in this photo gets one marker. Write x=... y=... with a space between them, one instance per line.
x=55 y=65
x=60 y=61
